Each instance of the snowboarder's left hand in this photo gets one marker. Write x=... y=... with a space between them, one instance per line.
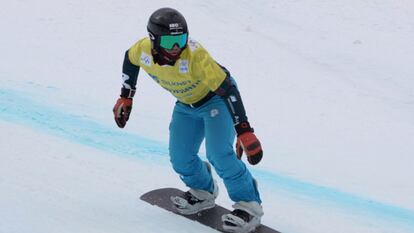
x=248 y=142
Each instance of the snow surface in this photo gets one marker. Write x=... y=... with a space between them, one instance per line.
x=327 y=85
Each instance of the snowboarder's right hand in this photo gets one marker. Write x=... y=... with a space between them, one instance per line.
x=122 y=110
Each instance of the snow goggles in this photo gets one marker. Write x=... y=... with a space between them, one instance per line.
x=168 y=41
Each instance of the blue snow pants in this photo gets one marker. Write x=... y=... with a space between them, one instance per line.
x=212 y=122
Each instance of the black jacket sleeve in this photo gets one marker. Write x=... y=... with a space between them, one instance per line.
x=129 y=75
x=231 y=95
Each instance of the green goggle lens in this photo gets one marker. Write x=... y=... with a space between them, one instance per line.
x=168 y=42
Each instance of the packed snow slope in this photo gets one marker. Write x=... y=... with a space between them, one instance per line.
x=327 y=86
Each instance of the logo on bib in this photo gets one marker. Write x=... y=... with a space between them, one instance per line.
x=183 y=66
x=193 y=44
x=146 y=59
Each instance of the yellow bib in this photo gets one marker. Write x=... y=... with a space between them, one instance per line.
x=190 y=79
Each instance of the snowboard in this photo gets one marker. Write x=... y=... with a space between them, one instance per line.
x=210 y=217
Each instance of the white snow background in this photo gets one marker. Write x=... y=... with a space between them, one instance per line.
x=328 y=87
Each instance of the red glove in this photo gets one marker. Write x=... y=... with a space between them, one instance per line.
x=122 y=109
x=248 y=142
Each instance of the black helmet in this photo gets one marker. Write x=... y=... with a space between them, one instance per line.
x=167 y=27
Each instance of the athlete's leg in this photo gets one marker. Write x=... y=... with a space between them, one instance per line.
x=220 y=134
x=186 y=135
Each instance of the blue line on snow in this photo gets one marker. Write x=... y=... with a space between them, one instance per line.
x=15 y=107
x=339 y=198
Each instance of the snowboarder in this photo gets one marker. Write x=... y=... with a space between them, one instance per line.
x=208 y=106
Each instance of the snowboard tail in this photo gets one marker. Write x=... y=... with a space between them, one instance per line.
x=210 y=217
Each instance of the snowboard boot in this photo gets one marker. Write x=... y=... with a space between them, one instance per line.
x=196 y=200
x=244 y=218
